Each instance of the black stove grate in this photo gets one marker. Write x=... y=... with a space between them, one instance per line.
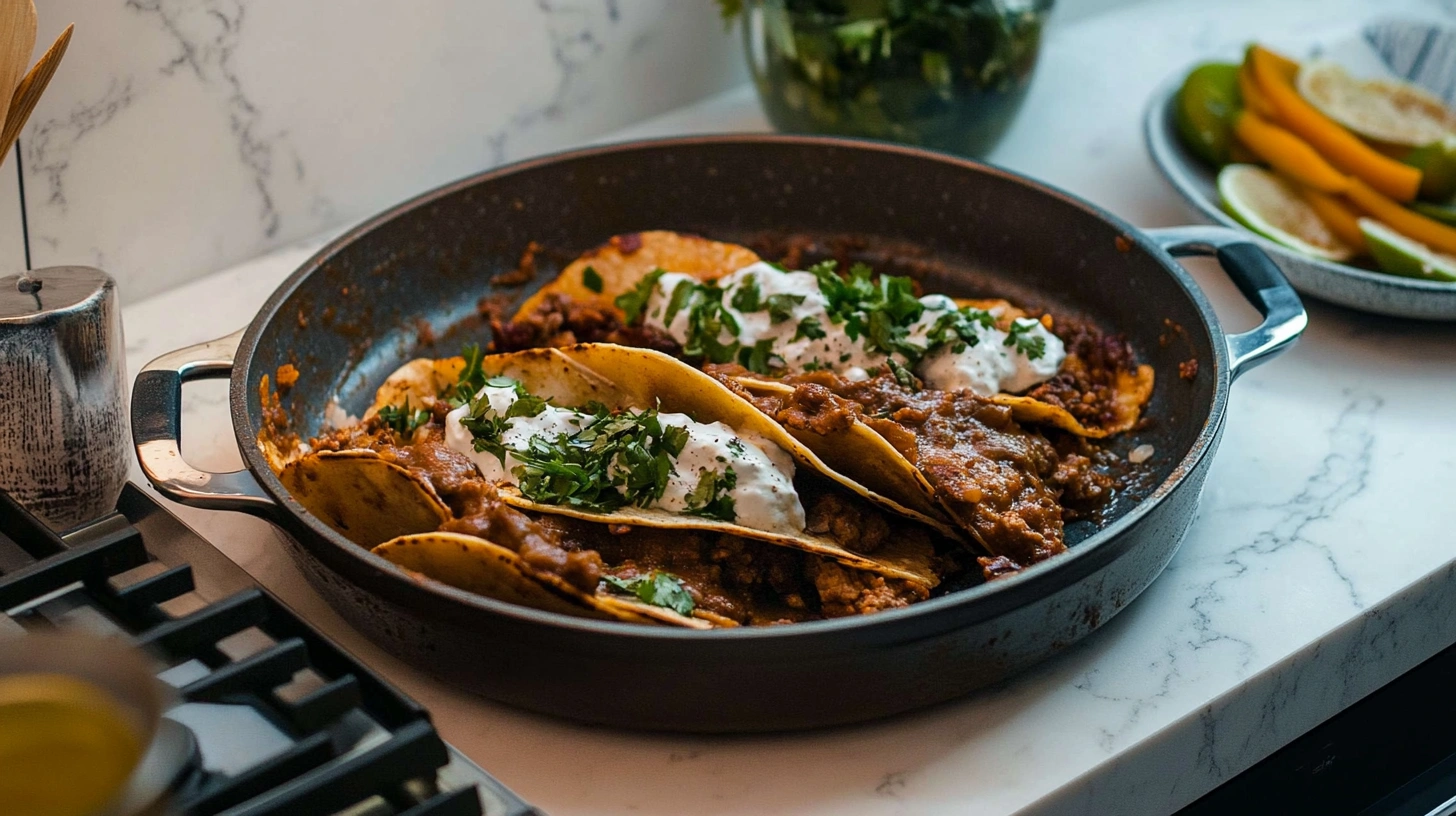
x=358 y=744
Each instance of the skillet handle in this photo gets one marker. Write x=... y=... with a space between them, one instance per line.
x=156 y=430
x=1260 y=281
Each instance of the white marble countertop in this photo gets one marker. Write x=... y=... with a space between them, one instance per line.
x=1320 y=567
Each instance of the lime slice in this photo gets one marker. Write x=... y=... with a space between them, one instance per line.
x=1445 y=213
x=1272 y=207
x=1437 y=163
x=1400 y=255
x=1205 y=109
x=1387 y=110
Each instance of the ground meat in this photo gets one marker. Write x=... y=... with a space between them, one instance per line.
x=1086 y=385
x=855 y=525
x=844 y=592
x=990 y=474
x=560 y=321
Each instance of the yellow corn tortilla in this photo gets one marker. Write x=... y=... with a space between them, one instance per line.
x=366 y=499
x=1134 y=389
x=419 y=381
x=622 y=377
x=484 y=568
x=626 y=259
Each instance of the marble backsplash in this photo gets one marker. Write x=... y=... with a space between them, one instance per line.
x=182 y=136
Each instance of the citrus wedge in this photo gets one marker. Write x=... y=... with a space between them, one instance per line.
x=1400 y=255
x=1272 y=207
x=1387 y=110
x=1205 y=109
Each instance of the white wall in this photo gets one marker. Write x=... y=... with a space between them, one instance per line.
x=182 y=136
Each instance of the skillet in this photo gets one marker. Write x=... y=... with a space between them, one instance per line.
x=410 y=282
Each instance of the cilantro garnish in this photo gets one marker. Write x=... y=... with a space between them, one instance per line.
x=617 y=459
x=401 y=420
x=591 y=279
x=470 y=381
x=903 y=375
x=658 y=589
x=710 y=498
x=781 y=307
x=633 y=302
x=760 y=358
x=809 y=327
x=707 y=319
x=1030 y=345
x=747 y=299
x=959 y=327
x=487 y=426
x=680 y=296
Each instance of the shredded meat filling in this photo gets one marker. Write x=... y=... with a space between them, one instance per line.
x=989 y=473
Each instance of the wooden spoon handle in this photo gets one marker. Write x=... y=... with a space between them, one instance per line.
x=17 y=41
x=28 y=92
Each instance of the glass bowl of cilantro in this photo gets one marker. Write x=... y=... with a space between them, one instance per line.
x=943 y=74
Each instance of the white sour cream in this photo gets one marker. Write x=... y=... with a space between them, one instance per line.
x=987 y=367
x=764 y=497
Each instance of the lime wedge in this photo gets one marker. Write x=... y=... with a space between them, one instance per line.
x=1272 y=207
x=1205 y=109
x=1400 y=255
x=1387 y=110
x=1437 y=163
x=1445 y=213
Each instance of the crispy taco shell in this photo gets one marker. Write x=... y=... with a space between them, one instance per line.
x=626 y=259
x=480 y=566
x=622 y=377
x=364 y=498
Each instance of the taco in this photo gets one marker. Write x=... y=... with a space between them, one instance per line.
x=614 y=482
x=978 y=408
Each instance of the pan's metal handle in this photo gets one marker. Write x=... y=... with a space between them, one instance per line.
x=1257 y=277
x=156 y=429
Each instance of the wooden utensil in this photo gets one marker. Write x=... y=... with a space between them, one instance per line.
x=17 y=41
x=28 y=92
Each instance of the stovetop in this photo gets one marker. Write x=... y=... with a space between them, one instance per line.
x=272 y=717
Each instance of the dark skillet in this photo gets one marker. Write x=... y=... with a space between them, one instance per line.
x=354 y=312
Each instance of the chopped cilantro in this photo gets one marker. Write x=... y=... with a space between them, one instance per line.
x=736 y=445
x=747 y=298
x=591 y=279
x=680 y=296
x=616 y=459
x=760 y=358
x=470 y=380
x=710 y=498
x=903 y=375
x=401 y=420
x=959 y=326
x=814 y=365
x=707 y=320
x=657 y=588
x=781 y=307
x=1033 y=346
x=809 y=327
x=487 y=426
x=633 y=302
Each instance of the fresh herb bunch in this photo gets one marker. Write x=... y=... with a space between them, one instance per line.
x=942 y=73
x=656 y=588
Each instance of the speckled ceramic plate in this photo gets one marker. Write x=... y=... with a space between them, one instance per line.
x=1419 y=52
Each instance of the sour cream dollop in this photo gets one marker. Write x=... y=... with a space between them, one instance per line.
x=791 y=313
x=762 y=474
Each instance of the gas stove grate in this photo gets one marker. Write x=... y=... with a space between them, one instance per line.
x=358 y=745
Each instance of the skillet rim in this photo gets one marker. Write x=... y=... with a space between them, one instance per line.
x=974 y=605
